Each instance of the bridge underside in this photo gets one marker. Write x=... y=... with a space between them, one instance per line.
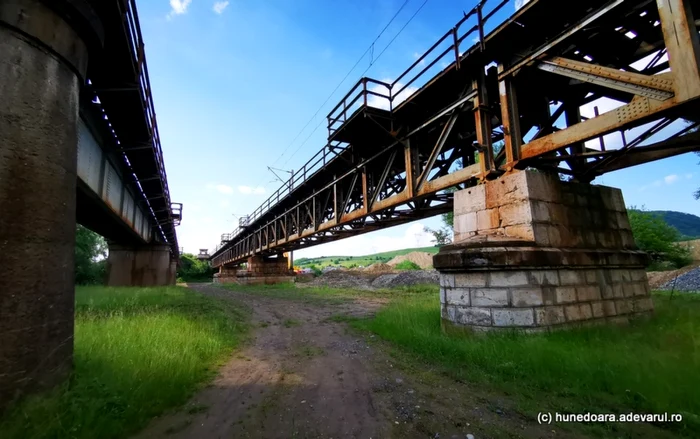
x=573 y=89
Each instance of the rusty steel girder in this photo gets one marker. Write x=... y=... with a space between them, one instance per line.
x=510 y=99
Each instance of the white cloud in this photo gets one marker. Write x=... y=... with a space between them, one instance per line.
x=221 y=188
x=688 y=176
x=179 y=7
x=417 y=55
x=668 y=180
x=520 y=3
x=259 y=190
x=219 y=7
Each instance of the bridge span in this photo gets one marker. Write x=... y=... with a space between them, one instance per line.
x=79 y=142
x=517 y=114
x=507 y=96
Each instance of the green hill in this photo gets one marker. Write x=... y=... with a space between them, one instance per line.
x=347 y=261
x=686 y=223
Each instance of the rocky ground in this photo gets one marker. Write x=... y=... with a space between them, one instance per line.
x=683 y=279
x=304 y=373
x=372 y=280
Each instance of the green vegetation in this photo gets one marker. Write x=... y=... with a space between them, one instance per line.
x=138 y=352
x=350 y=261
x=651 y=366
x=407 y=265
x=688 y=225
x=653 y=235
x=194 y=270
x=90 y=254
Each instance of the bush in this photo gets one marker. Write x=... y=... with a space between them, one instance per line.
x=407 y=265
x=192 y=269
x=89 y=247
x=653 y=235
x=316 y=270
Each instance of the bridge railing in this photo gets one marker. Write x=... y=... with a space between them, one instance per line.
x=297 y=179
x=133 y=30
x=358 y=97
x=446 y=51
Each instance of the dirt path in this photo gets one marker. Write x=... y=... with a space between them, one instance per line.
x=306 y=375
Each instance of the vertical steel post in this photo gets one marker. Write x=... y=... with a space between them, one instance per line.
x=482 y=122
x=681 y=37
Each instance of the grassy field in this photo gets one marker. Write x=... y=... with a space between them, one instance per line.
x=138 y=352
x=651 y=366
x=347 y=261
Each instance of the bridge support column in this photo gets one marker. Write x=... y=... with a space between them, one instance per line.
x=42 y=67
x=260 y=270
x=142 y=266
x=532 y=252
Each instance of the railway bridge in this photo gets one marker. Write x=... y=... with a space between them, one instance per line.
x=506 y=120
x=79 y=143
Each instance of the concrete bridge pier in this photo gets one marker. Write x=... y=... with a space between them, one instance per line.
x=259 y=270
x=532 y=252
x=43 y=64
x=140 y=266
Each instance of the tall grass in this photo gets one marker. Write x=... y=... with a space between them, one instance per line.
x=650 y=366
x=138 y=352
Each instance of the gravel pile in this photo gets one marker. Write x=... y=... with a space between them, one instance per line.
x=689 y=281
x=406 y=278
x=364 y=281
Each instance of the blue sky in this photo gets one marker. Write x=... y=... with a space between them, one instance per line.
x=234 y=83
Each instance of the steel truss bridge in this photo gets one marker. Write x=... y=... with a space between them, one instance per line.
x=123 y=189
x=490 y=98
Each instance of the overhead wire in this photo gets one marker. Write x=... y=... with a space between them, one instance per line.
x=370 y=49
x=363 y=73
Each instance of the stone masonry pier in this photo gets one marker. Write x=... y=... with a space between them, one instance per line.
x=259 y=270
x=532 y=252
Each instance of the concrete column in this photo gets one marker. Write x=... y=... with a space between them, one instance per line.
x=532 y=252
x=142 y=266
x=43 y=61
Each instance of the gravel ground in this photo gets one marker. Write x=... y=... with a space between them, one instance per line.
x=689 y=281
x=365 y=281
x=406 y=278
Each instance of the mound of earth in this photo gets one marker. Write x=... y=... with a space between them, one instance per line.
x=372 y=281
x=422 y=259
x=379 y=267
x=406 y=278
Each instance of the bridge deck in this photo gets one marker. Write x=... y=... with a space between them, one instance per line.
x=118 y=75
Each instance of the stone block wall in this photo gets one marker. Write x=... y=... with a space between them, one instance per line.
x=533 y=298
x=532 y=252
x=535 y=207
